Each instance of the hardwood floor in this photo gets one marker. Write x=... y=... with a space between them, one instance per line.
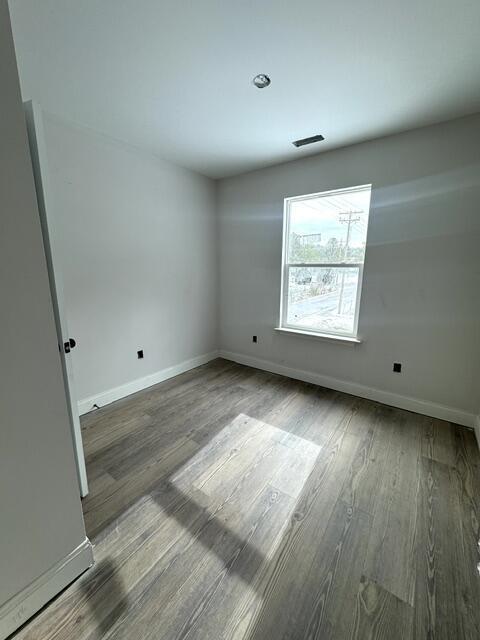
x=229 y=503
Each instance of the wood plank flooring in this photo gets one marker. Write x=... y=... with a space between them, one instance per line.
x=233 y=504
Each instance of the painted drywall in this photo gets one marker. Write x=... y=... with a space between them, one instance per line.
x=138 y=255
x=176 y=77
x=420 y=303
x=40 y=511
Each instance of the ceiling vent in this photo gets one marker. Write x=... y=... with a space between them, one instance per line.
x=311 y=140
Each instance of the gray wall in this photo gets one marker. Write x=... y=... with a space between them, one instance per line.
x=139 y=257
x=420 y=302
x=40 y=512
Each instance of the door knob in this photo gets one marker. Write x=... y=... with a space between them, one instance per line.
x=69 y=345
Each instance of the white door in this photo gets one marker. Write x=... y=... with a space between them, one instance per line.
x=66 y=342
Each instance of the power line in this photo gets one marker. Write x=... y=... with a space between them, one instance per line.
x=349 y=220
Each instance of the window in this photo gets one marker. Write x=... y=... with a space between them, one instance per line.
x=324 y=248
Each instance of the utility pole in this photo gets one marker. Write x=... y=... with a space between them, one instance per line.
x=348 y=220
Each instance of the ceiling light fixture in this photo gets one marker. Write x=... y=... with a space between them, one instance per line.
x=311 y=140
x=261 y=81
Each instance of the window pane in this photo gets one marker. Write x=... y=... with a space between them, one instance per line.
x=330 y=228
x=322 y=299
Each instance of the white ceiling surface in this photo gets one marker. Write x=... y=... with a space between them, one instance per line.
x=175 y=77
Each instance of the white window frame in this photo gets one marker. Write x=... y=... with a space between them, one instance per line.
x=286 y=266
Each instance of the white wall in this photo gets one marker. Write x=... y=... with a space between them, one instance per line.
x=40 y=512
x=139 y=257
x=421 y=300
x=143 y=258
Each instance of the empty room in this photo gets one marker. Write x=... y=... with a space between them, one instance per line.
x=239 y=320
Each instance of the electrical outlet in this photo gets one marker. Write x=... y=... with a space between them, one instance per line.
x=397 y=367
x=140 y=354
x=254 y=339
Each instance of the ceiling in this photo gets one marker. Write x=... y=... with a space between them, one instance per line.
x=175 y=76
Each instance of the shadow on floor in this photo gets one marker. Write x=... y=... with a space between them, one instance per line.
x=104 y=584
x=211 y=529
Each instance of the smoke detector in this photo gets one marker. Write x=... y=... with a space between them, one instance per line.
x=261 y=81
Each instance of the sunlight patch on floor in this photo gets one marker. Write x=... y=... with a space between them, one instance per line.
x=244 y=460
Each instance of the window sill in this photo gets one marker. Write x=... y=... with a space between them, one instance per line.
x=320 y=336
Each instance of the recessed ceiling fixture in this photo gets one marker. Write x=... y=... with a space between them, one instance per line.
x=261 y=81
x=311 y=140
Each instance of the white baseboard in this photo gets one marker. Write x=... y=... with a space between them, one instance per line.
x=423 y=407
x=105 y=397
x=23 y=605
